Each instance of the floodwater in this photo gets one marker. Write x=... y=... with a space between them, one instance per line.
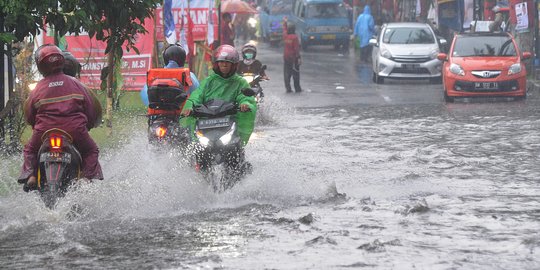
x=388 y=187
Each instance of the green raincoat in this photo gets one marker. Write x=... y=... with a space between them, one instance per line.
x=228 y=89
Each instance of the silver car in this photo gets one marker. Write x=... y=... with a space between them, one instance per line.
x=406 y=50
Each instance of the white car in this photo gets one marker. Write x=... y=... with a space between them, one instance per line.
x=406 y=50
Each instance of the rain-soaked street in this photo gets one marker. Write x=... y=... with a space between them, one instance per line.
x=347 y=175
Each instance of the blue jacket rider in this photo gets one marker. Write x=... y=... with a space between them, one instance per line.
x=175 y=57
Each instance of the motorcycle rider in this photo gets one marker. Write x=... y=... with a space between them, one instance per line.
x=174 y=56
x=226 y=85
x=249 y=64
x=59 y=101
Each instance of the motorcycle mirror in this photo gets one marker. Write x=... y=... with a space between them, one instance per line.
x=248 y=92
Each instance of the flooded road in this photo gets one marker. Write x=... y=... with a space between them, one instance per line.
x=343 y=178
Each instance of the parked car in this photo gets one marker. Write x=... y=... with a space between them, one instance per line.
x=322 y=22
x=484 y=64
x=405 y=50
x=271 y=18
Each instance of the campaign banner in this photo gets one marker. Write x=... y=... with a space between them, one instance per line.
x=197 y=11
x=522 y=15
x=91 y=55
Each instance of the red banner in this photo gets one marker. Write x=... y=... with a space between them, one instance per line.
x=91 y=54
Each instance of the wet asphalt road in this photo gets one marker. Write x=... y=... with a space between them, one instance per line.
x=347 y=175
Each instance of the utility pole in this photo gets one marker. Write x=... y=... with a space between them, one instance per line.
x=3 y=83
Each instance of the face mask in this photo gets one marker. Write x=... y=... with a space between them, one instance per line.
x=248 y=55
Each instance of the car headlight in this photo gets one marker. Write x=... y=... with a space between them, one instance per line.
x=514 y=69
x=202 y=139
x=311 y=29
x=386 y=53
x=226 y=139
x=456 y=69
x=433 y=54
x=345 y=29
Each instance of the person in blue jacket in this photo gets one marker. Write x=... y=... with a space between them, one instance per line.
x=363 y=31
x=174 y=57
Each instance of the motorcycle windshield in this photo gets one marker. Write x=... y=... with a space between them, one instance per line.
x=215 y=108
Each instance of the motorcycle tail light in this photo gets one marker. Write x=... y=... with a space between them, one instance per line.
x=161 y=131
x=56 y=142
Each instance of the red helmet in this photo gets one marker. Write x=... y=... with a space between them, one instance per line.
x=226 y=53
x=49 y=59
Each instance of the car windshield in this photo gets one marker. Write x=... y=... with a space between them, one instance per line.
x=326 y=11
x=484 y=46
x=281 y=7
x=408 y=35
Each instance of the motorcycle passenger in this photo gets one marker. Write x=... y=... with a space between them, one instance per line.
x=249 y=64
x=226 y=85
x=59 y=101
x=174 y=56
x=72 y=67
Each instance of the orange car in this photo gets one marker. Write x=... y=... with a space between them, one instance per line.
x=484 y=65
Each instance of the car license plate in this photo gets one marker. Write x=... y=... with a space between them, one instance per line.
x=486 y=85
x=55 y=157
x=328 y=36
x=214 y=122
x=410 y=66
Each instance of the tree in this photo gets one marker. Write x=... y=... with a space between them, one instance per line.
x=20 y=19
x=117 y=23
x=23 y=18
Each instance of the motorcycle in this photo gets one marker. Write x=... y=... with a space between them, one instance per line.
x=165 y=130
x=164 y=115
x=59 y=165
x=219 y=154
x=252 y=24
x=254 y=82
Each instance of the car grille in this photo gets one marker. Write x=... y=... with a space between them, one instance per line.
x=505 y=86
x=410 y=59
x=486 y=74
x=419 y=70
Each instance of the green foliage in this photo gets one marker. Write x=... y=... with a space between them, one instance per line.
x=113 y=21
x=23 y=18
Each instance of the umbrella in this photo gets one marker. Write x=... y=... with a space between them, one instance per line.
x=236 y=6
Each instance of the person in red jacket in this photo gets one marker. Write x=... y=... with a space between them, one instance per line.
x=59 y=101
x=291 y=57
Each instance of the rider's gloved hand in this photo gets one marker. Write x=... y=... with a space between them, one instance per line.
x=186 y=112
x=244 y=108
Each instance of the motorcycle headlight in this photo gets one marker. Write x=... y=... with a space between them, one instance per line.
x=32 y=86
x=456 y=69
x=514 y=69
x=226 y=139
x=252 y=22
x=202 y=139
x=249 y=78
